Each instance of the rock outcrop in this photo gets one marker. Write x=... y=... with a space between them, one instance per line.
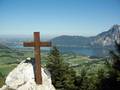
x=22 y=78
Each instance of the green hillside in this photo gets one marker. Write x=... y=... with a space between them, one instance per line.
x=10 y=58
x=3 y=46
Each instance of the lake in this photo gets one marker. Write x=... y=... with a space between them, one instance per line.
x=96 y=52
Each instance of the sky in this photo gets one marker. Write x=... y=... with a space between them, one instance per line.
x=58 y=17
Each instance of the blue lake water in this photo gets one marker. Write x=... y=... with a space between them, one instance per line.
x=97 y=52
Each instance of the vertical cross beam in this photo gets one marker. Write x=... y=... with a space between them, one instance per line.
x=37 y=44
x=38 y=76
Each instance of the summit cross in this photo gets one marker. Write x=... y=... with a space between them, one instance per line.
x=37 y=44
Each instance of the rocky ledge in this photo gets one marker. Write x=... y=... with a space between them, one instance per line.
x=22 y=78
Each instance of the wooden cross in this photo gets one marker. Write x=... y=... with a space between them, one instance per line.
x=37 y=44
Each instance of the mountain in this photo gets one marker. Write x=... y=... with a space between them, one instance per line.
x=104 y=39
x=109 y=37
x=72 y=41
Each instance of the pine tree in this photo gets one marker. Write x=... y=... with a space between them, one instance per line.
x=2 y=79
x=112 y=82
x=62 y=74
x=116 y=57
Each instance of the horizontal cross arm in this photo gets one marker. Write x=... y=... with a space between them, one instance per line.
x=46 y=44
x=41 y=44
x=28 y=44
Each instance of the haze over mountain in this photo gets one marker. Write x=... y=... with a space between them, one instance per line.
x=104 y=39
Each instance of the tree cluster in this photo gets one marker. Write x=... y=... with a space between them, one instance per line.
x=64 y=76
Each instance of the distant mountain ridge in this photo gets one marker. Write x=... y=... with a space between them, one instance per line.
x=104 y=39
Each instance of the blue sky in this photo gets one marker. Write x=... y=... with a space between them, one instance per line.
x=58 y=17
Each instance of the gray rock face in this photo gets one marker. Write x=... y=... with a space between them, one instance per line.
x=109 y=37
x=22 y=78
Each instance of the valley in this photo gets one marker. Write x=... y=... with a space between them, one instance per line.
x=11 y=58
x=86 y=55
